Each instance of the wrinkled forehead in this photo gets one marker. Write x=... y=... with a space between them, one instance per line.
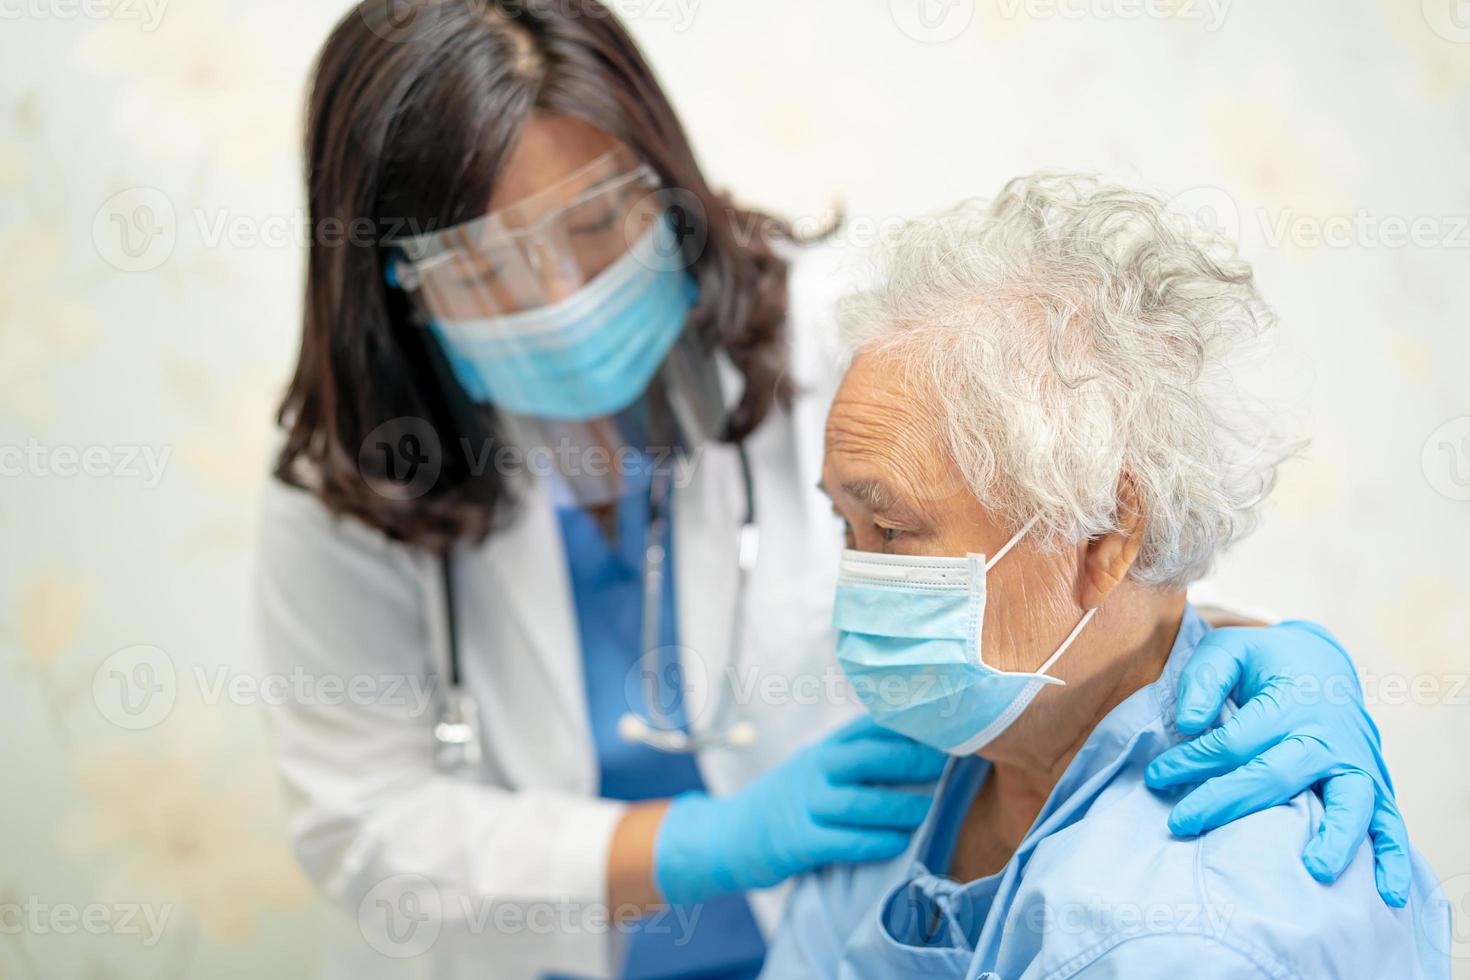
x=885 y=425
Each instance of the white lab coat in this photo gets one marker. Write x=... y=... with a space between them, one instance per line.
x=372 y=820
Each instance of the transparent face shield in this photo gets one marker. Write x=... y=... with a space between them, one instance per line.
x=566 y=311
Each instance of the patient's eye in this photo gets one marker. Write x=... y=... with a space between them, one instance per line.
x=888 y=533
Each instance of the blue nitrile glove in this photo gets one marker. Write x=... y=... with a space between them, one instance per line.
x=839 y=800
x=1301 y=723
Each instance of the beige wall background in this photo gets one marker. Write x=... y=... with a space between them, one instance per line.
x=151 y=248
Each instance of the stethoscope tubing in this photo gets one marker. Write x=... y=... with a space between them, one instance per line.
x=457 y=729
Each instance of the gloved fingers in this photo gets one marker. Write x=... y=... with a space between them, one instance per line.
x=888 y=760
x=1322 y=656
x=1274 y=776
x=1371 y=749
x=1391 y=868
x=1258 y=725
x=866 y=806
x=851 y=845
x=1347 y=804
x=1209 y=676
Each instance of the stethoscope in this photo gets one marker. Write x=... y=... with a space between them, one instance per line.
x=456 y=733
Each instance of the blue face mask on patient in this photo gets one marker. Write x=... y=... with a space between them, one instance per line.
x=589 y=355
x=909 y=631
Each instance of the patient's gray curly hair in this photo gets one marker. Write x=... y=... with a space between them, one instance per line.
x=1077 y=334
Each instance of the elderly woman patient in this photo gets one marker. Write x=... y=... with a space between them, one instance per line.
x=1036 y=448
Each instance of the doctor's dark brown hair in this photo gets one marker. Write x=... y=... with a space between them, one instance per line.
x=414 y=107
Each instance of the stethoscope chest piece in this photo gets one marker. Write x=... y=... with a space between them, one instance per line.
x=457 y=732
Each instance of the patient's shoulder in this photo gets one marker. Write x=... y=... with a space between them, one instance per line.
x=1117 y=876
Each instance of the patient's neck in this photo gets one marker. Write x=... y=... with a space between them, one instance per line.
x=1122 y=650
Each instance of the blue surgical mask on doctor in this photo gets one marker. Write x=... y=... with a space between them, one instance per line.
x=909 y=641
x=588 y=355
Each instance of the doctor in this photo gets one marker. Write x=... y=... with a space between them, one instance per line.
x=551 y=454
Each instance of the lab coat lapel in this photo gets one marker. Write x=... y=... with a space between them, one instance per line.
x=529 y=570
x=707 y=516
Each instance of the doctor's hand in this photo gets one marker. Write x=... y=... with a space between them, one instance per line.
x=839 y=800
x=1301 y=724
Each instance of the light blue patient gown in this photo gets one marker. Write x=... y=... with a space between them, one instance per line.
x=718 y=940
x=1099 y=888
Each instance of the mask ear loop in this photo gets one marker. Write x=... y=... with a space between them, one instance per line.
x=1076 y=630
x=990 y=562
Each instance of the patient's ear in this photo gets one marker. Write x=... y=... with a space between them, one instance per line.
x=1106 y=560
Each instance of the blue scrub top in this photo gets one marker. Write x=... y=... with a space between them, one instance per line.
x=1099 y=888
x=720 y=938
